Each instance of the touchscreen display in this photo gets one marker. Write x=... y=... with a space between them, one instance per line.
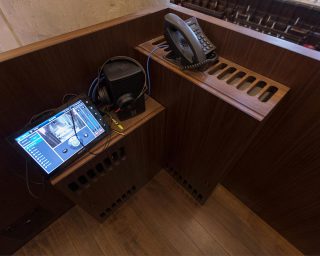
x=54 y=141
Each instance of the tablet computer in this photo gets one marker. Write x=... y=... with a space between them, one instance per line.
x=62 y=136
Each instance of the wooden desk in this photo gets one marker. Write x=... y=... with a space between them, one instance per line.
x=117 y=166
x=270 y=164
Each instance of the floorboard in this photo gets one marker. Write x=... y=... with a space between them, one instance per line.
x=161 y=219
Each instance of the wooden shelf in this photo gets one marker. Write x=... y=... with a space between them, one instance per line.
x=250 y=92
x=152 y=109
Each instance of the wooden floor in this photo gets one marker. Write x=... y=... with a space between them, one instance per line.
x=161 y=219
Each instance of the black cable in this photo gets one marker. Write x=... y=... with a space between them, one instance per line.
x=34 y=117
x=77 y=136
x=76 y=133
x=200 y=64
x=22 y=177
x=28 y=183
x=68 y=95
x=26 y=179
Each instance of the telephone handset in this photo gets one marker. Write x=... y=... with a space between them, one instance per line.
x=188 y=42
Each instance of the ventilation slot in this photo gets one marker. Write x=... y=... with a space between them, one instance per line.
x=214 y=63
x=216 y=70
x=115 y=157
x=159 y=41
x=83 y=180
x=118 y=202
x=188 y=186
x=246 y=83
x=257 y=88
x=107 y=163
x=100 y=168
x=268 y=94
x=73 y=187
x=91 y=173
x=122 y=153
x=234 y=80
x=227 y=73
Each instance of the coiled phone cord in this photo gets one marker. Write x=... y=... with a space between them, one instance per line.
x=200 y=64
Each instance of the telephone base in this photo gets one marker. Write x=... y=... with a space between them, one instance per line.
x=176 y=60
x=173 y=58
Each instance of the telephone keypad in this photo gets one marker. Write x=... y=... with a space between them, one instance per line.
x=206 y=44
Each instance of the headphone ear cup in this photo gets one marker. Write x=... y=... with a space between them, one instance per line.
x=126 y=102
x=103 y=95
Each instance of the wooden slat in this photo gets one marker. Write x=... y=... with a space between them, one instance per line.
x=229 y=93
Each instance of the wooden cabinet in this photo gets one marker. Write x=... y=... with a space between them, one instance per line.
x=118 y=166
x=212 y=116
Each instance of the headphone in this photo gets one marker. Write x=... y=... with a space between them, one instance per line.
x=100 y=94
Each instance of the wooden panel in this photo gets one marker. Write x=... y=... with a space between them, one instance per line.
x=51 y=65
x=277 y=177
x=239 y=94
x=153 y=108
x=204 y=134
x=106 y=180
x=162 y=220
x=34 y=78
x=37 y=20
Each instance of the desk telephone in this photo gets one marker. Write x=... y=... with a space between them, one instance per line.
x=188 y=43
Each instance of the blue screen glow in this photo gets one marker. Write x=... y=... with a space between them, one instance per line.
x=54 y=141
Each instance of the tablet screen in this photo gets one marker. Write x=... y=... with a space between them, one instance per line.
x=55 y=140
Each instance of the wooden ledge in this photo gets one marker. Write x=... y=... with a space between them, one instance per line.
x=249 y=98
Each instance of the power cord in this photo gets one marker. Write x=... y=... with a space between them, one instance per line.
x=200 y=64
x=75 y=130
x=28 y=183
x=32 y=119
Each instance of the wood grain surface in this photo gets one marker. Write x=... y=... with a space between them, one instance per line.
x=239 y=98
x=277 y=177
x=119 y=168
x=205 y=135
x=162 y=220
x=34 y=78
x=153 y=108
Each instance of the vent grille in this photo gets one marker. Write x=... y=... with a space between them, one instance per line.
x=101 y=168
x=187 y=185
x=118 y=202
x=243 y=81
